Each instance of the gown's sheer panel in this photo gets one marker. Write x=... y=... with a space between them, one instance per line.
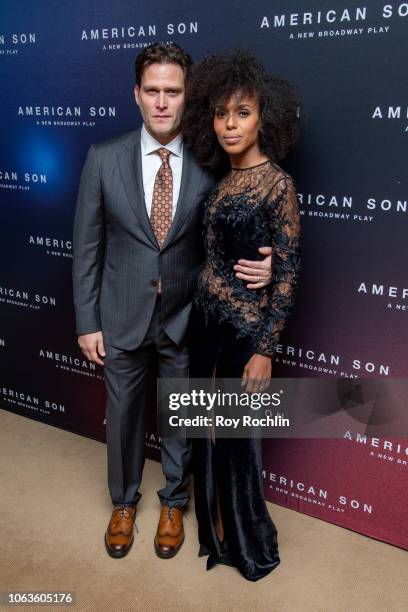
x=248 y=209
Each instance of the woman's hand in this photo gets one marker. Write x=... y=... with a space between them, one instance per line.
x=257 y=373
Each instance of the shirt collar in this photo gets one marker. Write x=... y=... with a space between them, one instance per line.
x=150 y=144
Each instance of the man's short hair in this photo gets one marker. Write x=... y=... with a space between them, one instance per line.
x=158 y=53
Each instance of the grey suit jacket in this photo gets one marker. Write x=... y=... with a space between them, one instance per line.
x=117 y=260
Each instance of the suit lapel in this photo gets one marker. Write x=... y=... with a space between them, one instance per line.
x=189 y=187
x=130 y=167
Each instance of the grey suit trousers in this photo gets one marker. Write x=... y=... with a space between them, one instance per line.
x=126 y=383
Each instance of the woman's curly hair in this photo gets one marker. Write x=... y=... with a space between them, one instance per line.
x=215 y=79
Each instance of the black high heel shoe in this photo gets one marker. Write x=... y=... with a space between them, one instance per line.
x=222 y=557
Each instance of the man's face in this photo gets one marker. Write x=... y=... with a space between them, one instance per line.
x=160 y=99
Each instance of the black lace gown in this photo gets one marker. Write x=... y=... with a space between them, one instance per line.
x=248 y=209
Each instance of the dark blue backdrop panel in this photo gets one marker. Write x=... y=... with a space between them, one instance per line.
x=66 y=81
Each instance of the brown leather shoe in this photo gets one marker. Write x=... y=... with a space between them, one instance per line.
x=119 y=534
x=170 y=532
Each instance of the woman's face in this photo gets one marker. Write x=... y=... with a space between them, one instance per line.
x=237 y=123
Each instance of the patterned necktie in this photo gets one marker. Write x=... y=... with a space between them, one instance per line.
x=162 y=202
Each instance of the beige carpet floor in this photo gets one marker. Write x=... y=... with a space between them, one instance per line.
x=54 y=509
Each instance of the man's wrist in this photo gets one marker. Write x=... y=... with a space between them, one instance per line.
x=86 y=333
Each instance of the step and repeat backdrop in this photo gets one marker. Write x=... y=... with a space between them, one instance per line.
x=67 y=81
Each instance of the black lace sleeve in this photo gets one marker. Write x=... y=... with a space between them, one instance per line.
x=279 y=296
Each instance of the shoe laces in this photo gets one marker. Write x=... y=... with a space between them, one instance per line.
x=123 y=511
x=170 y=513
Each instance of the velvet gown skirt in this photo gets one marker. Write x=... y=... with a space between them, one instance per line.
x=232 y=466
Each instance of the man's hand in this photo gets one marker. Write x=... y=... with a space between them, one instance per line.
x=92 y=347
x=258 y=273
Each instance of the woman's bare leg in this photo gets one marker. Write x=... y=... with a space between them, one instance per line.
x=219 y=527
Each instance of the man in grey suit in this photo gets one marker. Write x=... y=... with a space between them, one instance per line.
x=137 y=255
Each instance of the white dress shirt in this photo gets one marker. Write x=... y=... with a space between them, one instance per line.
x=151 y=163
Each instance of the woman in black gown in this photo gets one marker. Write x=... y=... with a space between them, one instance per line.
x=239 y=121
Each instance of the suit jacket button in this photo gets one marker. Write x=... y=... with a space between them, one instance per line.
x=153 y=282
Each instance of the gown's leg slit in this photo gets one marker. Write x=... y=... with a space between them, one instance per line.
x=234 y=526
x=219 y=550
